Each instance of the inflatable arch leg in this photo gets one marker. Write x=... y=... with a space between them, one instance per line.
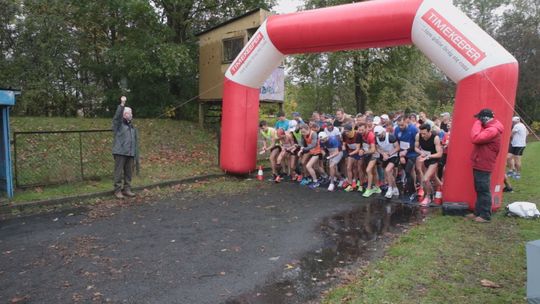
x=485 y=72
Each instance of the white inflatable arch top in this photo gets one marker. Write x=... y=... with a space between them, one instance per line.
x=485 y=73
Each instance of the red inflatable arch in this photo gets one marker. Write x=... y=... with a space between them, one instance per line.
x=485 y=73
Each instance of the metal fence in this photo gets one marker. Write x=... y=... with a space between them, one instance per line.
x=56 y=157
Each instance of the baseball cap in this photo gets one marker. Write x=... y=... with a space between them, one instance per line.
x=378 y=130
x=515 y=119
x=347 y=127
x=295 y=114
x=323 y=135
x=376 y=120
x=385 y=117
x=445 y=114
x=485 y=113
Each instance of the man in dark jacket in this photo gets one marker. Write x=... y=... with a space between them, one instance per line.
x=486 y=136
x=124 y=150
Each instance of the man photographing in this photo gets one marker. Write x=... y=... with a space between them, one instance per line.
x=486 y=136
x=124 y=150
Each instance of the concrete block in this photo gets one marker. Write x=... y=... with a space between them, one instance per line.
x=533 y=272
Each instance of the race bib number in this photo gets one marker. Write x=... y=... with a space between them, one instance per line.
x=365 y=147
x=352 y=146
x=404 y=145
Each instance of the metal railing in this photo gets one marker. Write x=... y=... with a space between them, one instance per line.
x=56 y=157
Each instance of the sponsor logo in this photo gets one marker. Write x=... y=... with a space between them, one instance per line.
x=247 y=51
x=453 y=36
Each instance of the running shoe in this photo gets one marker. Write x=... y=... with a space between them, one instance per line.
x=278 y=179
x=354 y=184
x=349 y=188
x=395 y=191
x=305 y=181
x=340 y=184
x=299 y=178
x=345 y=184
x=360 y=188
x=389 y=192
x=377 y=190
x=517 y=176
x=314 y=185
x=425 y=202
x=368 y=193
x=331 y=187
x=510 y=173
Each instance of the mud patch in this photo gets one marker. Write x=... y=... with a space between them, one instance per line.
x=352 y=240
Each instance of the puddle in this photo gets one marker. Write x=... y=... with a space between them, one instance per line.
x=351 y=239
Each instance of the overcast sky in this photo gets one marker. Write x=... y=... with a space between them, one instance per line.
x=287 y=6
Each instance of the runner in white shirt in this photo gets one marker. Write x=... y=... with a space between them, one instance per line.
x=388 y=148
x=517 y=146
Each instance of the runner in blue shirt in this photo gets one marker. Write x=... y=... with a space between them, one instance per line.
x=333 y=145
x=406 y=134
x=282 y=122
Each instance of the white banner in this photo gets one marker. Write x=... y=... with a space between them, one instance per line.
x=274 y=87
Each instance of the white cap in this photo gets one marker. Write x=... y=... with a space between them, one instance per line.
x=378 y=130
x=376 y=120
x=385 y=117
x=323 y=135
x=515 y=119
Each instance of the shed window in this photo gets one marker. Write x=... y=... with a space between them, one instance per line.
x=231 y=48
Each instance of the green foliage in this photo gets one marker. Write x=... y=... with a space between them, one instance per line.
x=381 y=80
x=535 y=126
x=70 y=55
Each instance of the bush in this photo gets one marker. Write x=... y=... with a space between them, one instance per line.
x=535 y=126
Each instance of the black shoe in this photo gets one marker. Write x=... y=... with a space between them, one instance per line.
x=507 y=189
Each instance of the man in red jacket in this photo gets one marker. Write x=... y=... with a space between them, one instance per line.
x=486 y=138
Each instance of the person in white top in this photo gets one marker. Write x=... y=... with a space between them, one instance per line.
x=517 y=146
x=330 y=130
x=388 y=148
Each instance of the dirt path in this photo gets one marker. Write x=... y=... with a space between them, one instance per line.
x=278 y=244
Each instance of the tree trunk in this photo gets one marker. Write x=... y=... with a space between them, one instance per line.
x=360 y=93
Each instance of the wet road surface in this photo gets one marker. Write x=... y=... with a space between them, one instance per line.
x=274 y=244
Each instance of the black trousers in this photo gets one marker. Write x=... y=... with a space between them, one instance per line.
x=410 y=166
x=123 y=170
x=482 y=182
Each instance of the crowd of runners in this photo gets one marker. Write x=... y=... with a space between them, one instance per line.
x=396 y=154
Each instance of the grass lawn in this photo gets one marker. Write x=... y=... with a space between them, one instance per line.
x=169 y=150
x=445 y=259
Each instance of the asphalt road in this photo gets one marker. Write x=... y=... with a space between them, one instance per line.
x=273 y=244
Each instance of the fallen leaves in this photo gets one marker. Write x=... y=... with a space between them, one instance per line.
x=489 y=284
x=19 y=299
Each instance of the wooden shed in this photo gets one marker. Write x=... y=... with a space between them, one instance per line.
x=218 y=47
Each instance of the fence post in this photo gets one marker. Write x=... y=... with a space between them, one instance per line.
x=15 y=159
x=80 y=155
